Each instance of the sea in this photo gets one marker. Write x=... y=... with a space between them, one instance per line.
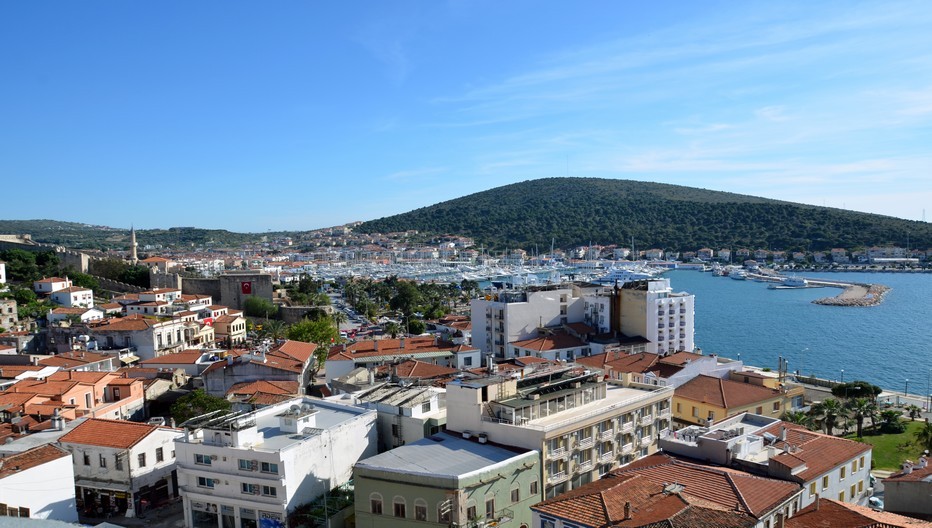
x=889 y=345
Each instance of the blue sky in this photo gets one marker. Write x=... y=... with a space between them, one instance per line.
x=252 y=116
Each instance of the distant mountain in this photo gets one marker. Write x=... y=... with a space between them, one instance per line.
x=86 y=236
x=578 y=211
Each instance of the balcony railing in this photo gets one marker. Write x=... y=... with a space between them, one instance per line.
x=559 y=452
x=555 y=478
x=606 y=434
x=584 y=466
x=627 y=426
x=627 y=448
x=585 y=443
x=645 y=441
x=607 y=456
x=647 y=419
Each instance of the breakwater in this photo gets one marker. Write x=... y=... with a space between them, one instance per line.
x=856 y=295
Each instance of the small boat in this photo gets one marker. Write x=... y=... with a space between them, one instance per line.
x=738 y=275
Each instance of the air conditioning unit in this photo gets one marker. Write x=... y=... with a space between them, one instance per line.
x=254 y=465
x=255 y=490
x=213 y=457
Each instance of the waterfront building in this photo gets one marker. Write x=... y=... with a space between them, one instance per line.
x=908 y=490
x=823 y=465
x=251 y=469
x=664 y=491
x=583 y=425
x=651 y=309
x=118 y=464
x=705 y=399
x=38 y=483
x=447 y=480
x=652 y=369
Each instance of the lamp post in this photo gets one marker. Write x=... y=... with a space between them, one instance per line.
x=842 y=375
x=906 y=390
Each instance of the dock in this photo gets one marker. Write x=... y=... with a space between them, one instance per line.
x=853 y=293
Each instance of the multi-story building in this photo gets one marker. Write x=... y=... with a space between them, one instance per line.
x=823 y=465
x=406 y=414
x=343 y=359
x=243 y=470
x=147 y=337
x=653 y=310
x=9 y=316
x=583 y=425
x=73 y=297
x=446 y=480
x=38 y=483
x=517 y=315
x=118 y=464
x=704 y=399
x=48 y=285
x=286 y=361
x=652 y=369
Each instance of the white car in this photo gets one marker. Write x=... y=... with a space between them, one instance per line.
x=875 y=502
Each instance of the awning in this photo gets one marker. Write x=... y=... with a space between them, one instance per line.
x=93 y=484
x=129 y=358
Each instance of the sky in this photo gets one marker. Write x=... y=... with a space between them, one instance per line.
x=296 y=115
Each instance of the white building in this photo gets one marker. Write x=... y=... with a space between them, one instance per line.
x=405 y=414
x=73 y=297
x=239 y=469
x=146 y=337
x=50 y=284
x=118 y=464
x=516 y=315
x=2 y=275
x=652 y=309
x=38 y=484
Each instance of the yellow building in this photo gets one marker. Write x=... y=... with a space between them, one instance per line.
x=707 y=398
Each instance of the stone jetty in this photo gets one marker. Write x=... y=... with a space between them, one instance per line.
x=855 y=295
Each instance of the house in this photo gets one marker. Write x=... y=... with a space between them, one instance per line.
x=9 y=316
x=73 y=297
x=652 y=369
x=446 y=480
x=287 y=361
x=230 y=329
x=908 y=490
x=94 y=394
x=706 y=399
x=823 y=465
x=118 y=464
x=406 y=414
x=38 y=483
x=192 y=361
x=826 y=513
x=554 y=346
x=342 y=359
x=50 y=284
x=82 y=315
x=252 y=395
x=583 y=425
x=663 y=491
x=241 y=468
x=147 y=337
x=81 y=361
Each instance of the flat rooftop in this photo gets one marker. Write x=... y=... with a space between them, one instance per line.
x=443 y=455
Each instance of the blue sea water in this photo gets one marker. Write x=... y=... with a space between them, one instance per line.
x=885 y=344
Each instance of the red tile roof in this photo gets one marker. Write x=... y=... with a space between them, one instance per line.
x=392 y=347
x=14 y=463
x=916 y=474
x=723 y=393
x=413 y=369
x=108 y=433
x=819 y=452
x=557 y=341
x=825 y=513
x=185 y=357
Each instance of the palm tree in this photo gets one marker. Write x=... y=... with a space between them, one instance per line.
x=274 y=328
x=798 y=418
x=392 y=328
x=339 y=317
x=859 y=409
x=924 y=436
x=827 y=413
x=914 y=411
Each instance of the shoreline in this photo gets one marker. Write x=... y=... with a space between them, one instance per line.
x=855 y=294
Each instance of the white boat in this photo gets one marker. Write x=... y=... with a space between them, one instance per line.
x=622 y=275
x=738 y=275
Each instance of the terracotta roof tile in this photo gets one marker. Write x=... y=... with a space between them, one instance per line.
x=11 y=464
x=723 y=393
x=108 y=433
x=825 y=513
x=820 y=452
x=557 y=341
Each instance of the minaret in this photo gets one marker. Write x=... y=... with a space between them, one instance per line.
x=132 y=246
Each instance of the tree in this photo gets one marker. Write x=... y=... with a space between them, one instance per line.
x=24 y=296
x=924 y=436
x=197 y=403
x=259 y=307
x=859 y=409
x=339 y=317
x=392 y=328
x=321 y=332
x=798 y=418
x=891 y=422
x=416 y=327
x=856 y=389
x=274 y=329
x=406 y=299
x=827 y=413
x=913 y=411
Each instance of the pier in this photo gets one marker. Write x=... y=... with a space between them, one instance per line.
x=853 y=293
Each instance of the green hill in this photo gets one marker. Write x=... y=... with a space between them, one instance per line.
x=86 y=236
x=577 y=211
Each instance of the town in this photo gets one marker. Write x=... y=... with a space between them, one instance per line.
x=372 y=380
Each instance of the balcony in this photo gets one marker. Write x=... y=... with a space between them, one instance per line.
x=627 y=448
x=646 y=440
x=664 y=413
x=646 y=419
x=585 y=443
x=607 y=456
x=627 y=427
x=584 y=466
x=556 y=478
x=606 y=434
x=557 y=453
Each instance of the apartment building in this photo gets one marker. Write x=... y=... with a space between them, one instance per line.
x=406 y=414
x=38 y=483
x=251 y=469
x=653 y=310
x=583 y=425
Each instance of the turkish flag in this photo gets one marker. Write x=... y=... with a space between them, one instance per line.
x=246 y=288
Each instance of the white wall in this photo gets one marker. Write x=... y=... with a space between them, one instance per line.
x=47 y=490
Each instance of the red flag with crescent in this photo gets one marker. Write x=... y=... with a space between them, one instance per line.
x=246 y=288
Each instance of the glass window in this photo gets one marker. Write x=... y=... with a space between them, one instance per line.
x=420 y=510
x=203 y=460
x=270 y=491
x=268 y=467
x=398 y=506
x=245 y=465
x=533 y=488
x=515 y=494
x=251 y=489
x=490 y=508
x=159 y=454
x=118 y=462
x=102 y=460
x=444 y=512
x=205 y=482
x=375 y=504
x=87 y=459
x=142 y=459
x=842 y=473
x=825 y=482
x=812 y=489
x=471 y=512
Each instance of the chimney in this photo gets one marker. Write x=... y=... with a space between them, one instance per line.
x=627 y=510
x=402 y=341
x=816 y=502
x=783 y=433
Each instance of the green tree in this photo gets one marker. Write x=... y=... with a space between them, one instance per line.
x=859 y=409
x=258 y=307
x=197 y=403
x=274 y=329
x=406 y=298
x=826 y=413
x=23 y=296
x=914 y=411
x=856 y=389
x=924 y=436
x=339 y=317
x=321 y=332
x=891 y=422
x=798 y=418
x=392 y=328
x=416 y=327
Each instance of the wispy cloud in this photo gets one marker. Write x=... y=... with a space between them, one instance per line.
x=415 y=174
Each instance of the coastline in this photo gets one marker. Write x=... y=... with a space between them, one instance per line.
x=855 y=295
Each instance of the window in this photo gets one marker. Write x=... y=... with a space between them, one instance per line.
x=695 y=412
x=516 y=495
x=205 y=482
x=853 y=493
x=142 y=459
x=547 y=523
x=102 y=460
x=270 y=491
x=398 y=507
x=825 y=482
x=467 y=361
x=860 y=486
x=87 y=459
x=471 y=512
x=420 y=510
x=678 y=408
x=425 y=407
x=862 y=462
x=776 y=406
x=159 y=454
x=490 y=508
x=268 y=467
x=375 y=504
x=444 y=511
x=759 y=410
x=842 y=473
x=118 y=462
x=532 y=489
x=250 y=489
x=812 y=489
x=245 y=465
x=203 y=460
x=854 y=466
x=841 y=496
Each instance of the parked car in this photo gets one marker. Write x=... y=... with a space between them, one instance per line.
x=875 y=502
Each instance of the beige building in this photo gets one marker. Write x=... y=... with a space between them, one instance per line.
x=708 y=398
x=583 y=425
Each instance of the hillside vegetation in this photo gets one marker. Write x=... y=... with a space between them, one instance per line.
x=86 y=236
x=579 y=211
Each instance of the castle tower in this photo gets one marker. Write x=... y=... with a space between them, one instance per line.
x=132 y=246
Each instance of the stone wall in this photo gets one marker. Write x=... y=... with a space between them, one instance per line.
x=203 y=287
x=234 y=292
x=165 y=280
x=117 y=286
